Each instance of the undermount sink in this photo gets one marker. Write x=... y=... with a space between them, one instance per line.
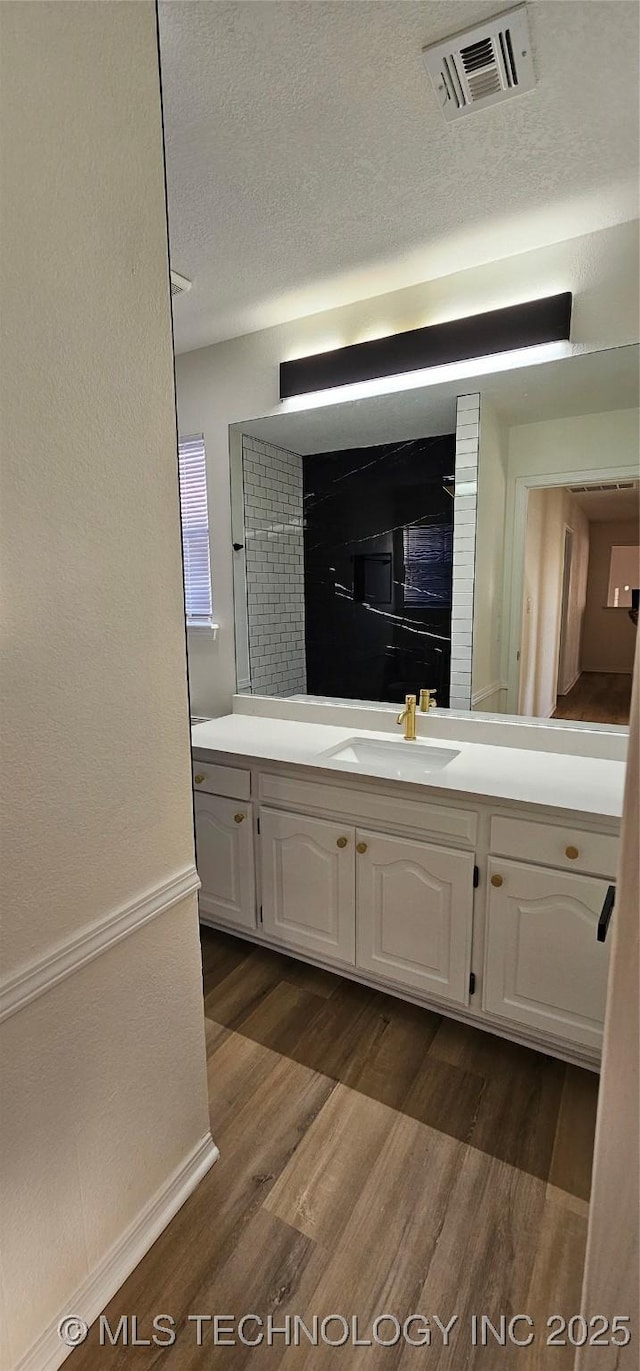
x=394 y=759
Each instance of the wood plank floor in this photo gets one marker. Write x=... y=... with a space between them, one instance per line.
x=375 y=1158
x=597 y=697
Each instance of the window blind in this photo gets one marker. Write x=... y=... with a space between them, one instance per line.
x=428 y=553
x=195 y=531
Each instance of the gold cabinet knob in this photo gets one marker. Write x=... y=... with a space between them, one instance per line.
x=199 y=779
x=341 y=842
x=496 y=880
x=361 y=847
x=237 y=818
x=572 y=852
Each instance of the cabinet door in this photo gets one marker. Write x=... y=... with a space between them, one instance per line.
x=415 y=914
x=308 y=884
x=544 y=965
x=224 y=852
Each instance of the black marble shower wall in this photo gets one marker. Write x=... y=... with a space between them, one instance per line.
x=378 y=534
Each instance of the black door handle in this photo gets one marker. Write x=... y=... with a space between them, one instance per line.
x=607 y=911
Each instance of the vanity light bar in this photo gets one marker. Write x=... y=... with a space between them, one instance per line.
x=480 y=335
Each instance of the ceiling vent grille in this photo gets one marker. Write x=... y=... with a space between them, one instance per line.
x=610 y=485
x=179 y=284
x=483 y=66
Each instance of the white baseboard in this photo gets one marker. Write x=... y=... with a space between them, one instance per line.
x=494 y=689
x=606 y=671
x=565 y=689
x=88 y=1301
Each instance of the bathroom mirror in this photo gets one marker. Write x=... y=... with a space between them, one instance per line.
x=476 y=538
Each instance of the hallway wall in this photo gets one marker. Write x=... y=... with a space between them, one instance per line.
x=576 y=446
x=104 y=1109
x=609 y=639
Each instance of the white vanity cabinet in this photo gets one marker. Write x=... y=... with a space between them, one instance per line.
x=488 y=909
x=545 y=968
x=225 y=856
x=397 y=907
x=414 y=913
x=307 y=884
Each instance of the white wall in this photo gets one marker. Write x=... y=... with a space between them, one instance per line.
x=581 y=448
x=612 y=1274
x=238 y=379
x=532 y=617
x=465 y=511
x=549 y=514
x=101 y=1050
x=274 y=568
x=487 y=692
x=609 y=640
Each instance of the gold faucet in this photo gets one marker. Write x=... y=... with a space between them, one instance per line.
x=427 y=700
x=407 y=717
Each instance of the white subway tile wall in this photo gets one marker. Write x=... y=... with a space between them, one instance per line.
x=274 y=551
x=464 y=548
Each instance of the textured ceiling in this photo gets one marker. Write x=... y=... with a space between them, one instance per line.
x=309 y=165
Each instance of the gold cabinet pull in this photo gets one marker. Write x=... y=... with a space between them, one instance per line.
x=199 y=779
x=342 y=842
x=496 y=880
x=237 y=818
x=572 y=852
x=361 y=847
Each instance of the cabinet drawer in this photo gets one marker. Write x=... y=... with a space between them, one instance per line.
x=372 y=806
x=567 y=849
x=221 y=780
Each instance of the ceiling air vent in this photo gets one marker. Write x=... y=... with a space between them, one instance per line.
x=179 y=284
x=609 y=485
x=483 y=66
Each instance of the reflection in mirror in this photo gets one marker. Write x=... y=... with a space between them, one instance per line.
x=348 y=567
x=378 y=546
x=581 y=569
x=389 y=544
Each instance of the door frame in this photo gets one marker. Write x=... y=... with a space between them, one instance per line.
x=514 y=564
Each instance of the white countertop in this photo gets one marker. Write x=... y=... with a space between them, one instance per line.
x=582 y=785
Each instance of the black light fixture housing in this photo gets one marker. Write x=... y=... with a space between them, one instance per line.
x=480 y=335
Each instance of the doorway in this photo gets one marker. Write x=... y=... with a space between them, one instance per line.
x=578 y=626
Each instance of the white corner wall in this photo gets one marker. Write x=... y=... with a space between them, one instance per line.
x=104 y=1110
x=237 y=380
x=549 y=513
x=274 y=567
x=488 y=690
x=465 y=511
